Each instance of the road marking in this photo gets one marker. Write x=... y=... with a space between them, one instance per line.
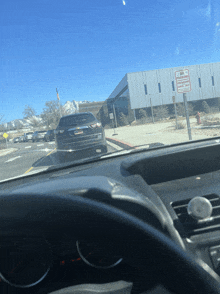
x=51 y=151
x=12 y=159
x=29 y=170
x=43 y=169
x=40 y=145
x=114 y=146
x=4 y=152
x=28 y=147
x=51 y=143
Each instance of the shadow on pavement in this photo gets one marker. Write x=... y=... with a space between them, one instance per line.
x=44 y=161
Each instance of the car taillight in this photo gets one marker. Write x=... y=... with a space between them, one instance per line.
x=97 y=125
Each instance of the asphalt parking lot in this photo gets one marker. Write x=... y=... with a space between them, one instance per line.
x=29 y=157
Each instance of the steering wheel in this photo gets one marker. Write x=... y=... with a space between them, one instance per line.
x=82 y=217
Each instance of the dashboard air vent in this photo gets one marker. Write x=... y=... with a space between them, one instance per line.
x=187 y=226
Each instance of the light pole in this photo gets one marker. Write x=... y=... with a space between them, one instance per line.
x=115 y=116
x=58 y=98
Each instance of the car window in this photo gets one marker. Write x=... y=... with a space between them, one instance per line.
x=76 y=119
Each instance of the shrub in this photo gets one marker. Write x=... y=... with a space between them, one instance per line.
x=130 y=116
x=214 y=109
x=210 y=120
x=161 y=112
x=123 y=121
x=143 y=118
x=142 y=113
x=108 y=126
x=179 y=126
x=180 y=108
x=205 y=107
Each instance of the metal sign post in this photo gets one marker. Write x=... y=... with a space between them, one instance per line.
x=152 y=112
x=174 y=103
x=111 y=116
x=183 y=85
x=187 y=116
x=115 y=116
x=5 y=135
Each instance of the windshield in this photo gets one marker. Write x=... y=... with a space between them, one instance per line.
x=107 y=76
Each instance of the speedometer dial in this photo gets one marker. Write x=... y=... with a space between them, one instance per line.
x=97 y=255
x=24 y=263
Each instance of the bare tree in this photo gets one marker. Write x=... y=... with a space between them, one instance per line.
x=2 y=126
x=51 y=113
x=36 y=122
x=29 y=111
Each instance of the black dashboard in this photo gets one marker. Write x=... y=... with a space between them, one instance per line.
x=155 y=185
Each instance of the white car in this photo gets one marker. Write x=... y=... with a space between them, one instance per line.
x=28 y=136
x=38 y=135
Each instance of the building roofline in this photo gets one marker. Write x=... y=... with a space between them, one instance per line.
x=183 y=66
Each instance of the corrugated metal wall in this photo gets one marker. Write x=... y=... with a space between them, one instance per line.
x=156 y=85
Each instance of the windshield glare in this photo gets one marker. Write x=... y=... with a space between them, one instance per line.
x=106 y=77
x=75 y=120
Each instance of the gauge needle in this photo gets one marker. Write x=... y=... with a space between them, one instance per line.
x=11 y=272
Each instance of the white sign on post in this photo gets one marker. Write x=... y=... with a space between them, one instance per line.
x=183 y=83
x=111 y=116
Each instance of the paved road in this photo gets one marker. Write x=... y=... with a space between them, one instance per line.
x=32 y=157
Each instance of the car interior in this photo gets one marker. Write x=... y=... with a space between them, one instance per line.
x=139 y=221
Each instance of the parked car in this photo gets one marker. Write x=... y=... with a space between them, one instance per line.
x=16 y=140
x=49 y=136
x=38 y=135
x=80 y=131
x=28 y=136
x=21 y=139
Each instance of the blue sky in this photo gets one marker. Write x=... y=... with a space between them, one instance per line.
x=84 y=48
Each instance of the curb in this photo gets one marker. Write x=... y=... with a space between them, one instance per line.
x=128 y=146
x=122 y=144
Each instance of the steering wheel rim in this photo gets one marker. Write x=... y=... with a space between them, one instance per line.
x=197 y=276
x=186 y=273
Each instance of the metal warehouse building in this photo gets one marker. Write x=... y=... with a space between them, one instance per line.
x=158 y=87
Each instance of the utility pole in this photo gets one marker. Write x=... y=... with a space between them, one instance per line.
x=187 y=116
x=58 y=98
x=115 y=116
x=174 y=104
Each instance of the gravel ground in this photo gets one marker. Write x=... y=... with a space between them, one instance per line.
x=163 y=132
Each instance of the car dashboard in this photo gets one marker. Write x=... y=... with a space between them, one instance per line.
x=154 y=185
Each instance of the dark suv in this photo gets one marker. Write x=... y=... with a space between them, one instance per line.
x=80 y=131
